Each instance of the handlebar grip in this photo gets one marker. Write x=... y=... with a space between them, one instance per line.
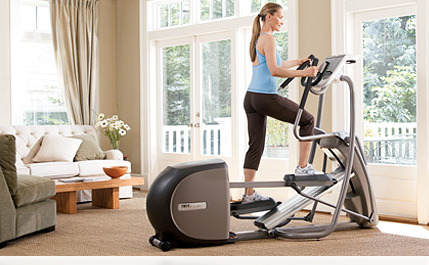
x=301 y=67
x=315 y=62
x=307 y=82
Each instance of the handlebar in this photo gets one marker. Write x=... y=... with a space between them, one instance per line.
x=304 y=65
x=301 y=67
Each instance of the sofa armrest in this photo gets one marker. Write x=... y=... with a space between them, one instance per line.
x=114 y=155
x=7 y=212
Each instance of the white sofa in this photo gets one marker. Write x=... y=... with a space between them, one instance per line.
x=28 y=136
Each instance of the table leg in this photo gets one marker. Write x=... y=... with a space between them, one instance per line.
x=66 y=202
x=106 y=198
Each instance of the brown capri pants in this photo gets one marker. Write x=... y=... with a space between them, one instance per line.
x=258 y=106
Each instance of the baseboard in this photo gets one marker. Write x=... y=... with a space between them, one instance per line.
x=398 y=219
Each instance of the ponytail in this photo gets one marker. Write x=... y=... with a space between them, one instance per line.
x=268 y=8
x=256 y=31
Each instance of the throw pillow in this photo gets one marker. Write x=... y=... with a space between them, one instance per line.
x=89 y=149
x=7 y=161
x=33 y=151
x=57 y=148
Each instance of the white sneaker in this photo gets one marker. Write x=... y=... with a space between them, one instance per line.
x=253 y=198
x=308 y=170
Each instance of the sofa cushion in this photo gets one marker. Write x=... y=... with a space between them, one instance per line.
x=32 y=189
x=24 y=170
x=95 y=167
x=7 y=161
x=57 y=148
x=28 y=159
x=89 y=149
x=54 y=169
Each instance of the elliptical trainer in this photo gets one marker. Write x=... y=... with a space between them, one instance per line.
x=188 y=204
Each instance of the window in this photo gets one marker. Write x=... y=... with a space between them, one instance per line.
x=389 y=75
x=216 y=9
x=173 y=13
x=176 y=82
x=176 y=13
x=216 y=98
x=277 y=139
x=37 y=98
x=256 y=5
x=197 y=88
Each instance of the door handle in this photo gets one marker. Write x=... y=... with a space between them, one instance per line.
x=194 y=125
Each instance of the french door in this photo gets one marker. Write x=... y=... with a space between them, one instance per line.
x=387 y=111
x=195 y=92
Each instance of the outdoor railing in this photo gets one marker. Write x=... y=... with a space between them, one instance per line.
x=391 y=143
x=215 y=139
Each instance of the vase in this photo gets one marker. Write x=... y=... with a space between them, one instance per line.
x=115 y=145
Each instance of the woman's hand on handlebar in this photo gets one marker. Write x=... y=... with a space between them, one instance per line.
x=301 y=61
x=311 y=71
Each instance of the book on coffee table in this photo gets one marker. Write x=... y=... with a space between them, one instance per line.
x=80 y=179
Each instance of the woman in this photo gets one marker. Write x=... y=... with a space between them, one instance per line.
x=262 y=100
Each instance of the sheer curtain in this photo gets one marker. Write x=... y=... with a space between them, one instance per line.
x=74 y=35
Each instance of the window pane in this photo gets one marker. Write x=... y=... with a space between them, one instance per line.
x=185 y=13
x=43 y=19
x=216 y=98
x=176 y=99
x=230 y=11
x=163 y=16
x=175 y=14
x=255 y=6
x=37 y=98
x=389 y=61
x=277 y=139
x=204 y=10
x=217 y=9
x=27 y=15
x=283 y=3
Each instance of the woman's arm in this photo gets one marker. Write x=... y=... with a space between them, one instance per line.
x=292 y=63
x=268 y=46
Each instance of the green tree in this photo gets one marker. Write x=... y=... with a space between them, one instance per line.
x=389 y=69
x=176 y=75
x=396 y=99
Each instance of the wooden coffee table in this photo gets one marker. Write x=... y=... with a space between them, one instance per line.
x=105 y=193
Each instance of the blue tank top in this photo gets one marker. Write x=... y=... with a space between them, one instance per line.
x=262 y=80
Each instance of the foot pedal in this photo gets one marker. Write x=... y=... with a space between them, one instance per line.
x=238 y=208
x=309 y=180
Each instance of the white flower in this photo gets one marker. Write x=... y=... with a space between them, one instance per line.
x=114 y=117
x=104 y=124
x=101 y=116
x=122 y=132
x=127 y=127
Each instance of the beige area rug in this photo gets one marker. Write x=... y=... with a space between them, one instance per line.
x=125 y=232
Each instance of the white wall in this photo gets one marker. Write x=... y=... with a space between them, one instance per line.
x=5 y=97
